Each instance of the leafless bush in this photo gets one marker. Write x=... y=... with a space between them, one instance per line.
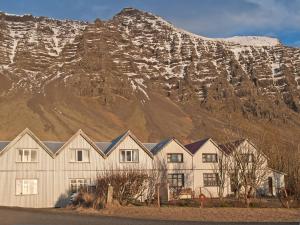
x=87 y=199
x=128 y=185
x=152 y=185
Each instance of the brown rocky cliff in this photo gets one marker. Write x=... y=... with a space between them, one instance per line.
x=137 y=71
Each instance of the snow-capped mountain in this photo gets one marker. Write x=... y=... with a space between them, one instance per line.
x=139 y=71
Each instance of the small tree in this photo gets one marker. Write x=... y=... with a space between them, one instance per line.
x=248 y=169
x=221 y=168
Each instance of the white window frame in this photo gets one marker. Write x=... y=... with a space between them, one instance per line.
x=170 y=158
x=211 y=180
x=175 y=178
x=30 y=150
x=85 y=181
x=131 y=153
x=76 y=155
x=22 y=189
x=208 y=157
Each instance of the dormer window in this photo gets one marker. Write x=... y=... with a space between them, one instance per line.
x=80 y=155
x=129 y=155
x=26 y=155
x=175 y=157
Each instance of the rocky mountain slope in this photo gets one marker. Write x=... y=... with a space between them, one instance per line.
x=137 y=71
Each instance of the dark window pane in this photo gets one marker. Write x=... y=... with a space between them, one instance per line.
x=176 y=180
x=79 y=156
x=210 y=179
x=175 y=157
x=129 y=156
x=209 y=157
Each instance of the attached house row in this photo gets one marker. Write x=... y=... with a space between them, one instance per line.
x=39 y=174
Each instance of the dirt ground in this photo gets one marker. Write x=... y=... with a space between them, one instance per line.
x=198 y=214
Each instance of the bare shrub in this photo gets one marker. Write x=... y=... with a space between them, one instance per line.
x=88 y=199
x=152 y=185
x=129 y=186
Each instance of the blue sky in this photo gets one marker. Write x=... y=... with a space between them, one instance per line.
x=212 y=18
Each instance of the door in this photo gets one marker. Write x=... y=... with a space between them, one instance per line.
x=270 y=182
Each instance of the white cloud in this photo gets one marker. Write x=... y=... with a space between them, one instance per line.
x=244 y=16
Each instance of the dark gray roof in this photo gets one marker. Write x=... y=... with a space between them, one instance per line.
x=54 y=146
x=3 y=144
x=114 y=142
x=195 y=146
x=160 y=145
x=229 y=147
x=150 y=146
x=103 y=146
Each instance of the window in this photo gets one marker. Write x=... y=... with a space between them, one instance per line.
x=26 y=155
x=176 y=180
x=80 y=155
x=210 y=179
x=26 y=187
x=247 y=158
x=129 y=155
x=175 y=158
x=209 y=157
x=77 y=184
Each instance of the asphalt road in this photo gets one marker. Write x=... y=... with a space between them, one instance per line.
x=14 y=216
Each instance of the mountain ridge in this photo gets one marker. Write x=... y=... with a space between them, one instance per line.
x=238 y=39
x=137 y=71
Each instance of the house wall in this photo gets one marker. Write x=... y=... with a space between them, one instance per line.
x=200 y=168
x=42 y=170
x=186 y=168
x=262 y=171
x=277 y=183
x=112 y=162
x=65 y=169
x=54 y=174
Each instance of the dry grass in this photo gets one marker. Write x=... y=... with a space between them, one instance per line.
x=197 y=214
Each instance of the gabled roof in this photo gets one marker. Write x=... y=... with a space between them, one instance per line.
x=155 y=149
x=229 y=147
x=150 y=146
x=159 y=146
x=3 y=144
x=103 y=146
x=82 y=134
x=117 y=141
x=33 y=136
x=277 y=171
x=54 y=146
x=195 y=146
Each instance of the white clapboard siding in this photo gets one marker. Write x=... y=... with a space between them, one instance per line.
x=201 y=167
x=113 y=160
x=54 y=171
x=186 y=167
x=42 y=170
x=66 y=169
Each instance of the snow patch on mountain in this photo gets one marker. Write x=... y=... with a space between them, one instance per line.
x=252 y=40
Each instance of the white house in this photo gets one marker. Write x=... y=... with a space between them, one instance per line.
x=245 y=158
x=39 y=174
x=206 y=160
x=175 y=164
x=27 y=173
